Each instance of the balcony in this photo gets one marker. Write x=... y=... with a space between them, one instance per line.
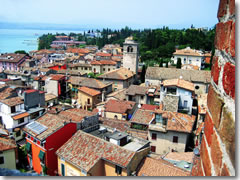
x=157 y=127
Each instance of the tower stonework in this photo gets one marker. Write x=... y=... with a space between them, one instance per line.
x=217 y=149
x=130 y=55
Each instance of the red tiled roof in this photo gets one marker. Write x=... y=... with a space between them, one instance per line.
x=113 y=123
x=57 y=77
x=179 y=83
x=91 y=92
x=180 y=156
x=85 y=150
x=103 y=54
x=77 y=50
x=143 y=116
x=6 y=144
x=118 y=106
x=149 y=107
x=157 y=167
x=30 y=90
x=103 y=62
x=12 y=101
x=119 y=74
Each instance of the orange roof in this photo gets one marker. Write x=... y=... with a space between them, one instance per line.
x=118 y=106
x=103 y=62
x=159 y=167
x=77 y=50
x=103 y=54
x=19 y=116
x=6 y=144
x=91 y=92
x=57 y=77
x=179 y=83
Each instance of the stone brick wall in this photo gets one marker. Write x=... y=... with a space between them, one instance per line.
x=217 y=150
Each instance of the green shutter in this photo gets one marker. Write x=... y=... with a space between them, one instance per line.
x=28 y=146
x=41 y=155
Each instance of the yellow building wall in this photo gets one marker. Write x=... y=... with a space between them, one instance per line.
x=112 y=115
x=70 y=170
x=82 y=99
x=110 y=170
x=9 y=159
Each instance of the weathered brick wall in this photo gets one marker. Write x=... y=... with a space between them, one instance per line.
x=217 y=151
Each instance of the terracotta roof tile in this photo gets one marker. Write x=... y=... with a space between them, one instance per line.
x=6 y=144
x=180 y=156
x=19 y=116
x=149 y=107
x=57 y=77
x=118 y=106
x=119 y=74
x=113 y=123
x=159 y=73
x=137 y=90
x=154 y=167
x=199 y=129
x=179 y=83
x=143 y=116
x=103 y=62
x=12 y=101
x=56 y=121
x=89 y=91
x=88 y=82
x=85 y=150
x=103 y=54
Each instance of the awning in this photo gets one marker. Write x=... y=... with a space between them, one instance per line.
x=41 y=155
x=28 y=147
x=19 y=116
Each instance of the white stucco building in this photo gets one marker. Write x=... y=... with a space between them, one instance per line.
x=189 y=56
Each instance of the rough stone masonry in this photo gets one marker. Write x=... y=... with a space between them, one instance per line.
x=217 y=150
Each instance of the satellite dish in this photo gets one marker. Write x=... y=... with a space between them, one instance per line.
x=139 y=106
x=51 y=104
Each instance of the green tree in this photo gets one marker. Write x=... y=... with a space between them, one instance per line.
x=143 y=73
x=20 y=52
x=179 y=63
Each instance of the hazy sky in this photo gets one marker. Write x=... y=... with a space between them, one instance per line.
x=112 y=13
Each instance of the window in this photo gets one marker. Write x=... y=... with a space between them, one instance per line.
x=1 y=121
x=103 y=69
x=21 y=121
x=1 y=152
x=142 y=97
x=130 y=49
x=41 y=156
x=118 y=169
x=184 y=60
x=108 y=69
x=185 y=104
x=18 y=133
x=175 y=139
x=88 y=101
x=13 y=109
x=197 y=87
x=171 y=91
x=85 y=68
x=154 y=136
x=190 y=61
x=1 y=160
x=153 y=148
x=115 y=117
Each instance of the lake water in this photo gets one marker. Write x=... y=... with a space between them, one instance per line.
x=12 y=40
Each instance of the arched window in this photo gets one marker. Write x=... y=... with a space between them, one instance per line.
x=130 y=49
x=115 y=117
